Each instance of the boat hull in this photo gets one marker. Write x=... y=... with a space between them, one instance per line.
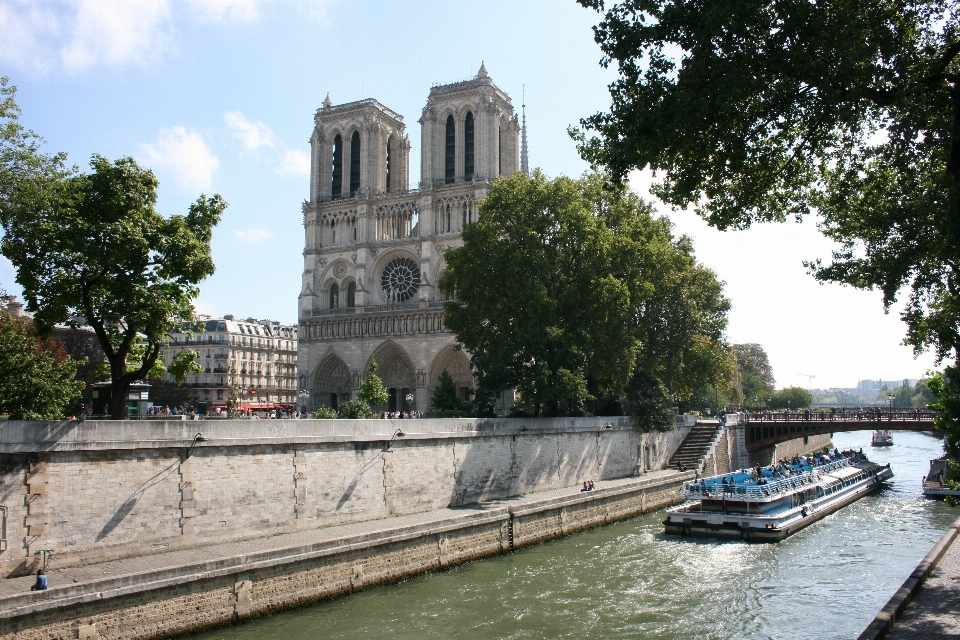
x=759 y=528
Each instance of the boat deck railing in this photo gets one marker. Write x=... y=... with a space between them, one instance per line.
x=715 y=488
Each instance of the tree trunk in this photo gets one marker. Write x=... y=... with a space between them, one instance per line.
x=119 y=390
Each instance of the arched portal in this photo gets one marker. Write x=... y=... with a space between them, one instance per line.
x=396 y=370
x=331 y=383
x=457 y=364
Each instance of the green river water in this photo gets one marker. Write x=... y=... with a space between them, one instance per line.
x=629 y=580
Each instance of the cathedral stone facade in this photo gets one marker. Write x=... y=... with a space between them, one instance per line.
x=374 y=247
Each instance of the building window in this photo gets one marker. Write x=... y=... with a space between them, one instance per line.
x=355 y=163
x=337 y=189
x=352 y=294
x=387 y=163
x=334 y=296
x=333 y=233
x=468 y=147
x=400 y=280
x=450 y=173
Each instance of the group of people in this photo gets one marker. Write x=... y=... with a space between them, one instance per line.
x=587 y=486
x=401 y=415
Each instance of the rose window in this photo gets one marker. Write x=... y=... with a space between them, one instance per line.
x=400 y=280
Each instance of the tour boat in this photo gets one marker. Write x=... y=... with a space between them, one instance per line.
x=882 y=438
x=933 y=486
x=775 y=503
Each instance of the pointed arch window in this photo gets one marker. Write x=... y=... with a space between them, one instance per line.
x=387 y=164
x=334 y=296
x=337 y=187
x=451 y=151
x=468 y=147
x=355 y=163
x=352 y=294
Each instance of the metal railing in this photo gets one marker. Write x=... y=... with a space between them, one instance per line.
x=772 y=488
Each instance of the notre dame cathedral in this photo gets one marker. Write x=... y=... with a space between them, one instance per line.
x=374 y=247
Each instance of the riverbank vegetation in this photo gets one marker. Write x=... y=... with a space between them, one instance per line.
x=847 y=109
x=573 y=293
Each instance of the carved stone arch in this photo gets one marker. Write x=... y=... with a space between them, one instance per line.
x=396 y=370
x=332 y=382
x=456 y=363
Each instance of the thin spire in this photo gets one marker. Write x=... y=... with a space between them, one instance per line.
x=524 y=165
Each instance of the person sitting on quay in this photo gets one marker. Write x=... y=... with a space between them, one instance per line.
x=586 y=487
x=41 y=584
x=680 y=466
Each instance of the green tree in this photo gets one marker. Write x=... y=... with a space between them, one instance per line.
x=537 y=305
x=563 y=287
x=650 y=401
x=946 y=387
x=756 y=374
x=35 y=384
x=761 y=111
x=371 y=392
x=791 y=398
x=445 y=396
x=94 y=246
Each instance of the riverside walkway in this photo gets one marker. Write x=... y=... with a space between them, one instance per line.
x=927 y=606
x=72 y=585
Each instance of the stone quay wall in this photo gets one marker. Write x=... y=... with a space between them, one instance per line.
x=103 y=490
x=188 y=598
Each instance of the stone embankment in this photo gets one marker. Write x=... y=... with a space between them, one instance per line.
x=180 y=591
x=927 y=605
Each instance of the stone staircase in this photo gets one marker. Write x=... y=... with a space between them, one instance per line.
x=696 y=446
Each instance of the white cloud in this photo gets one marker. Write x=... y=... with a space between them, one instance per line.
x=40 y=35
x=294 y=163
x=234 y=11
x=254 y=235
x=117 y=32
x=253 y=135
x=77 y=34
x=184 y=155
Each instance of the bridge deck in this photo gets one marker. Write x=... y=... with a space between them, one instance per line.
x=767 y=429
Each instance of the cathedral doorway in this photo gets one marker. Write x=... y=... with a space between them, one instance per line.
x=332 y=382
x=396 y=370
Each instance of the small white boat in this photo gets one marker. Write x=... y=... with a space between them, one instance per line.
x=775 y=504
x=933 y=482
x=882 y=438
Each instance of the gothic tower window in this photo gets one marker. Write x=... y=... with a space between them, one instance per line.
x=468 y=147
x=387 y=163
x=333 y=233
x=355 y=163
x=334 y=296
x=451 y=151
x=337 y=189
x=352 y=294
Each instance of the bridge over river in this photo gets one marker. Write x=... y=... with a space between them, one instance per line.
x=767 y=429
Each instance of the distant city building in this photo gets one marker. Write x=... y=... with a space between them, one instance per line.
x=875 y=386
x=256 y=357
x=374 y=249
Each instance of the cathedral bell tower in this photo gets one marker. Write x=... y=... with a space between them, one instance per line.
x=357 y=148
x=468 y=132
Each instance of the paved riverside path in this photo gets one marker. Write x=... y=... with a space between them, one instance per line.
x=934 y=611
x=78 y=576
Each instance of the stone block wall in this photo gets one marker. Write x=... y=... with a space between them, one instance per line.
x=103 y=490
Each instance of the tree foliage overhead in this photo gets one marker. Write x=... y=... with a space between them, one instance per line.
x=37 y=377
x=763 y=110
x=755 y=373
x=94 y=246
x=564 y=287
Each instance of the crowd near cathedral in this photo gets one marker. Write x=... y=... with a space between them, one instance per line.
x=374 y=246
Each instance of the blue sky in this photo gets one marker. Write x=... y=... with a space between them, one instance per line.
x=217 y=96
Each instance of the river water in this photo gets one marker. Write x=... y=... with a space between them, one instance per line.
x=629 y=580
